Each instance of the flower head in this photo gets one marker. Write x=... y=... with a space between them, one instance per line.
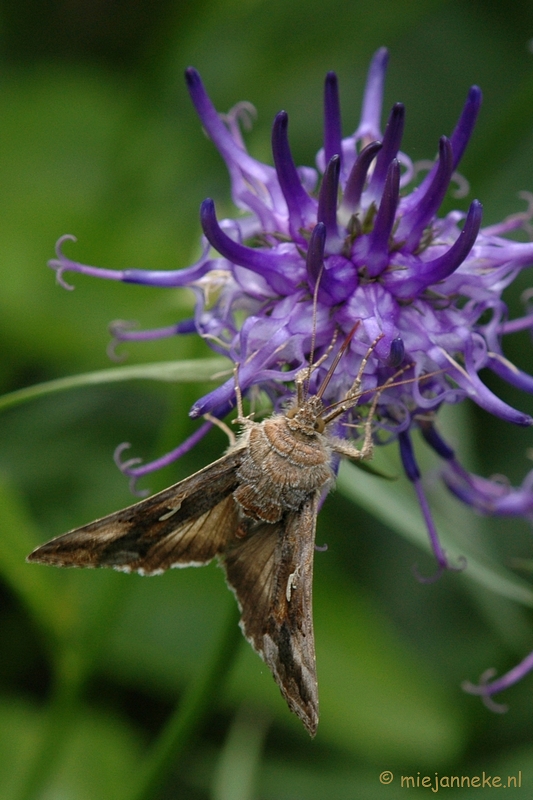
x=355 y=240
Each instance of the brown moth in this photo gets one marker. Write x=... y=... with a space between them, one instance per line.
x=255 y=510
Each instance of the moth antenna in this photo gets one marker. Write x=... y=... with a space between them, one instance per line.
x=323 y=386
x=238 y=395
x=313 y=329
x=305 y=373
x=356 y=386
x=351 y=399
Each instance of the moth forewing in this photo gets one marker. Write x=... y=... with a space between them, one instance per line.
x=184 y=525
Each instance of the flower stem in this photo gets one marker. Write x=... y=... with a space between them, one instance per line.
x=189 y=714
x=58 y=720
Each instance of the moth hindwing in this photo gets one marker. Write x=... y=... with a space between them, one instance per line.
x=254 y=510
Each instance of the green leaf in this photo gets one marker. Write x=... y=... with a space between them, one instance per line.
x=191 y=371
x=40 y=591
x=377 y=695
x=378 y=699
x=97 y=760
x=393 y=505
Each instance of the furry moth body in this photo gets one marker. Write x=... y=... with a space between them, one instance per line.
x=254 y=510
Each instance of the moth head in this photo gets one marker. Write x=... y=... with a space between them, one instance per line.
x=307 y=417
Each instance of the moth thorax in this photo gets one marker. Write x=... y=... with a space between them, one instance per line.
x=307 y=418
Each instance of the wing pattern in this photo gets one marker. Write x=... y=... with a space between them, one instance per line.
x=269 y=566
x=186 y=524
x=271 y=573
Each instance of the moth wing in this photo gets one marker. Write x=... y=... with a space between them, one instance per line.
x=184 y=525
x=271 y=573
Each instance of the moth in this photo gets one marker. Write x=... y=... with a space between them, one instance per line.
x=255 y=510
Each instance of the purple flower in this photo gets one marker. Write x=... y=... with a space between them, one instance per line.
x=356 y=239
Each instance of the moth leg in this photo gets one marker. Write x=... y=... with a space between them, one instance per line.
x=240 y=419
x=223 y=427
x=356 y=387
x=367 y=449
x=354 y=393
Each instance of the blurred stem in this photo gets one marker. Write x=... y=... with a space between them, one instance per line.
x=60 y=716
x=189 y=714
x=78 y=650
x=190 y=371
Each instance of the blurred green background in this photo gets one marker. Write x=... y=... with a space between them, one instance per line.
x=98 y=139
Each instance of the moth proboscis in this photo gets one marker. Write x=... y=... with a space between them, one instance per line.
x=255 y=510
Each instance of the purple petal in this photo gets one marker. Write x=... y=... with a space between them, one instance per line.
x=356 y=179
x=370 y=124
x=413 y=473
x=462 y=131
x=509 y=679
x=327 y=202
x=397 y=352
x=217 y=131
x=127 y=468
x=315 y=254
x=338 y=281
x=299 y=204
x=378 y=241
x=332 y=118
x=265 y=263
x=515 y=325
x=123 y=332
x=468 y=379
x=146 y=277
x=413 y=222
x=492 y=497
x=514 y=376
x=391 y=144
x=435 y=441
x=413 y=281
x=466 y=123
x=410 y=466
x=249 y=372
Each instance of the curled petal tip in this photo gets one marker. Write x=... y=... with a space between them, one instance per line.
x=428 y=579
x=65 y=238
x=117 y=458
x=59 y=269
x=60 y=266
x=133 y=488
x=483 y=690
